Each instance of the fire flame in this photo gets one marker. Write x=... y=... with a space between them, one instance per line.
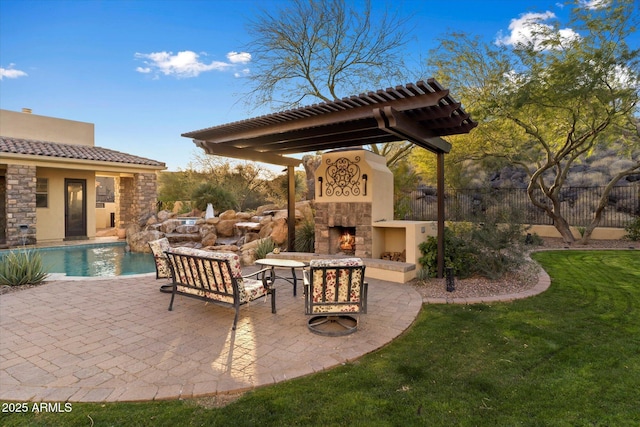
x=347 y=241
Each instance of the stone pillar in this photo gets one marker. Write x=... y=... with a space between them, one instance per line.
x=124 y=201
x=135 y=198
x=20 y=201
x=145 y=195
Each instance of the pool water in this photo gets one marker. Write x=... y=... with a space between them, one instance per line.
x=99 y=260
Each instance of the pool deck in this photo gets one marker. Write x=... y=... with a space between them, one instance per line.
x=108 y=340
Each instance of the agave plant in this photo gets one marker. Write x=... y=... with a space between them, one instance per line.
x=264 y=247
x=306 y=237
x=22 y=267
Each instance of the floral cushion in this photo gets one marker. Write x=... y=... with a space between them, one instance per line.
x=337 y=286
x=158 y=247
x=248 y=289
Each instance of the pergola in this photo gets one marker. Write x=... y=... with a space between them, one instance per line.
x=420 y=113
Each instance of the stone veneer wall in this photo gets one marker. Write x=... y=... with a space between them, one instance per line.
x=3 y=210
x=20 y=204
x=344 y=214
x=124 y=201
x=135 y=197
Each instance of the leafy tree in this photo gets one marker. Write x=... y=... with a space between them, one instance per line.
x=245 y=181
x=405 y=179
x=174 y=186
x=325 y=50
x=546 y=102
x=278 y=187
x=220 y=198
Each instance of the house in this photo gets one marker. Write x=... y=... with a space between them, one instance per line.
x=53 y=181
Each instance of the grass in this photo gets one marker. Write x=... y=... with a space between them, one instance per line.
x=567 y=357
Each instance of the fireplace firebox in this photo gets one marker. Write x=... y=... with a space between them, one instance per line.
x=342 y=240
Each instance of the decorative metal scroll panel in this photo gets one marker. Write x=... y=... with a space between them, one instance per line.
x=342 y=177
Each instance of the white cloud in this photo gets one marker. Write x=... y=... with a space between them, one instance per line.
x=11 y=73
x=242 y=73
x=594 y=4
x=183 y=64
x=186 y=63
x=531 y=28
x=239 y=57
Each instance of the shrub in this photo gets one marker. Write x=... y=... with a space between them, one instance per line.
x=633 y=230
x=456 y=255
x=306 y=237
x=265 y=246
x=220 y=198
x=22 y=267
x=489 y=248
x=497 y=248
x=533 y=239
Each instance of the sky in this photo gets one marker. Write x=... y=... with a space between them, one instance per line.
x=146 y=71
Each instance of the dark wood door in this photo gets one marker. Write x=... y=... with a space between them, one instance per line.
x=75 y=209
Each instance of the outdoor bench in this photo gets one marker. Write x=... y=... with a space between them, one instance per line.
x=215 y=277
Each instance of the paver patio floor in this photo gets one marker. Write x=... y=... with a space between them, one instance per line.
x=112 y=340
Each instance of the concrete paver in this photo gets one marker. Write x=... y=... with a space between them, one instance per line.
x=114 y=340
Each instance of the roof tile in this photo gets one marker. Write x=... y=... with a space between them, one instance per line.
x=71 y=151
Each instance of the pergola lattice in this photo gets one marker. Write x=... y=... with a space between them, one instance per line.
x=420 y=113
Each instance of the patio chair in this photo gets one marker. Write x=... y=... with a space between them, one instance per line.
x=163 y=271
x=335 y=294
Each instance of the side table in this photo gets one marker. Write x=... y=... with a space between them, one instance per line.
x=283 y=263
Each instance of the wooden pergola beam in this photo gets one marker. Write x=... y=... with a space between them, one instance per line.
x=420 y=113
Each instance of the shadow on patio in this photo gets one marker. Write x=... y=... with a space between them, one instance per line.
x=93 y=340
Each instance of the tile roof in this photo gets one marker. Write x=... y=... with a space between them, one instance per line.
x=71 y=151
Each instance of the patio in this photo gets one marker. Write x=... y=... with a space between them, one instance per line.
x=107 y=340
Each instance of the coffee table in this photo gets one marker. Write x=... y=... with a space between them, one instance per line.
x=283 y=263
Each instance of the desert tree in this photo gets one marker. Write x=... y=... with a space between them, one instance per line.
x=308 y=51
x=545 y=102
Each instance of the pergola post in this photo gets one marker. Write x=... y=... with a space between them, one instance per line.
x=291 y=209
x=441 y=213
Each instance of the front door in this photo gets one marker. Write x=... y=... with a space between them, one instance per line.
x=75 y=209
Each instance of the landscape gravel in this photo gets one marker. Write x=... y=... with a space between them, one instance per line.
x=514 y=283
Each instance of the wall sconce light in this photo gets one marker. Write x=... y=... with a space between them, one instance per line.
x=365 y=178
x=320 y=181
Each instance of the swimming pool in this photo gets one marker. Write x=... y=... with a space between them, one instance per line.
x=96 y=260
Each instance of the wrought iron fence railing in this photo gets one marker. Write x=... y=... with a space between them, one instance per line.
x=577 y=204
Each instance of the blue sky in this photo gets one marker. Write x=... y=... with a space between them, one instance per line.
x=145 y=71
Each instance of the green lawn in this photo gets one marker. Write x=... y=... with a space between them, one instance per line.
x=568 y=357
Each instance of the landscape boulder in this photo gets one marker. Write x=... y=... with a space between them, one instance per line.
x=226 y=215
x=279 y=231
x=139 y=242
x=164 y=215
x=226 y=227
x=208 y=234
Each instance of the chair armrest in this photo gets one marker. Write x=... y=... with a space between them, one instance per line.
x=305 y=277
x=266 y=280
x=364 y=296
x=248 y=276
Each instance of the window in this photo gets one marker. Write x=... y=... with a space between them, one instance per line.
x=105 y=190
x=42 y=193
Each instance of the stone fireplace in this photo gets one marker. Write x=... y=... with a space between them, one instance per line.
x=354 y=189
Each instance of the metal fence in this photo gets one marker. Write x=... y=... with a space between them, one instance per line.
x=577 y=205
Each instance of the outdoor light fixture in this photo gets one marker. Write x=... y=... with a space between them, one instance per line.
x=451 y=286
x=364 y=178
x=320 y=181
